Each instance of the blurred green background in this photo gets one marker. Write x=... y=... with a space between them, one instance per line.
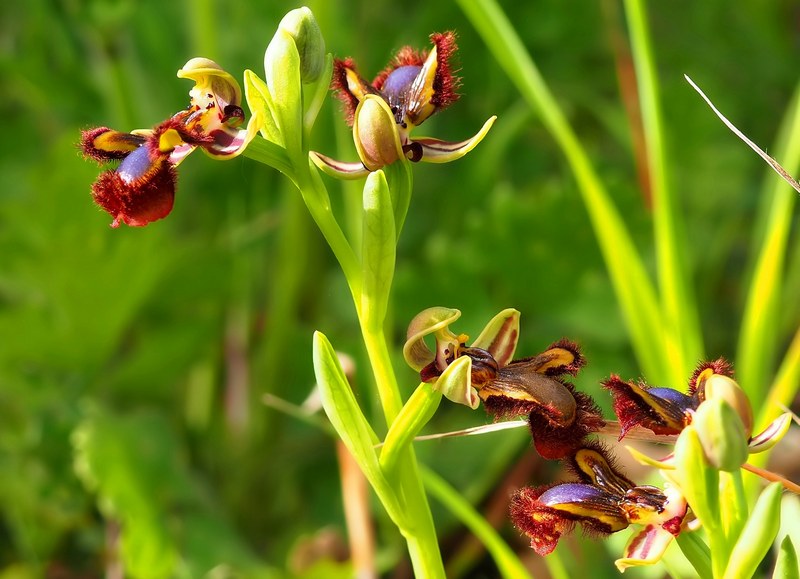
x=133 y=362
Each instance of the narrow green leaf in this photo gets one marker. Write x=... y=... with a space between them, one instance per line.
x=698 y=481
x=508 y=564
x=680 y=309
x=758 y=339
x=633 y=287
x=758 y=534
x=377 y=249
x=414 y=415
x=696 y=552
x=347 y=419
x=787 y=566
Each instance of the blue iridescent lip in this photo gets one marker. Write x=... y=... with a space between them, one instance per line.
x=574 y=492
x=395 y=88
x=134 y=165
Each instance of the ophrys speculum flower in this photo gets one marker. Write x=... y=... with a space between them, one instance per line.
x=383 y=113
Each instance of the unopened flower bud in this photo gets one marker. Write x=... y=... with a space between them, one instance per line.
x=722 y=434
x=303 y=28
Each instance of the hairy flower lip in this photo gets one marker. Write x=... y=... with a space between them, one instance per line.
x=603 y=501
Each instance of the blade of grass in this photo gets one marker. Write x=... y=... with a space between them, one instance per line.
x=682 y=328
x=758 y=339
x=508 y=564
x=633 y=287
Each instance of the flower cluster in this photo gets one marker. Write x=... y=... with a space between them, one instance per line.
x=602 y=500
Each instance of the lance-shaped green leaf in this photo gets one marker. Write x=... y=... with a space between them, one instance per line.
x=722 y=434
x=377 y=250
x=401 y=182
x=347 y=419
x=787 y=565
x=282 y=70
x=758 y=534
x=697 y=480
x=414 y=415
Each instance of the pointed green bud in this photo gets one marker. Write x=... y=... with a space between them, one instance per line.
x=722 y=434
x=719 y=386
x=303 y=28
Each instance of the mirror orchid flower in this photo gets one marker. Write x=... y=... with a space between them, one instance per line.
x=414 y=86
x=711 y=394
x=603 y=501
x=142 y=187
x=559 y=416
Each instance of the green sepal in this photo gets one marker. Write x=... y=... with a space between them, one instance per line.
x=414 y=415
x=787 y=566
x=259 y=99
x=499 y=337
x=377 y=250
x=282 y=70
x=350 y=424
x=698 y=481
x=722 y=434
x=758 y=534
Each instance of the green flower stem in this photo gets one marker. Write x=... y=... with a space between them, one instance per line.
x=507 y=562
x=420 y=535
x=316 y=199
x=632 y=285
x=684 y=341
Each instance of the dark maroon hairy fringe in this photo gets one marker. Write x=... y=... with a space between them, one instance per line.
x=551 y=524
x=632 y=411
x=340 y=88
x=506 y=407
x=90 y=151
x=445 y=83
x=406 y=56
x=719 y=366
x=553 y=442
x=146 y=199
x=573 y=368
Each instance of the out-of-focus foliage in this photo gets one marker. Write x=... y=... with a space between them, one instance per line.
x=133 y=362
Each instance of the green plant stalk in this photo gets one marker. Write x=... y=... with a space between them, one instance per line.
x=507 y=562
x=683 y=340
x=633 y=287
x=420 y=533
x=316 y=199
x=758 y=339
